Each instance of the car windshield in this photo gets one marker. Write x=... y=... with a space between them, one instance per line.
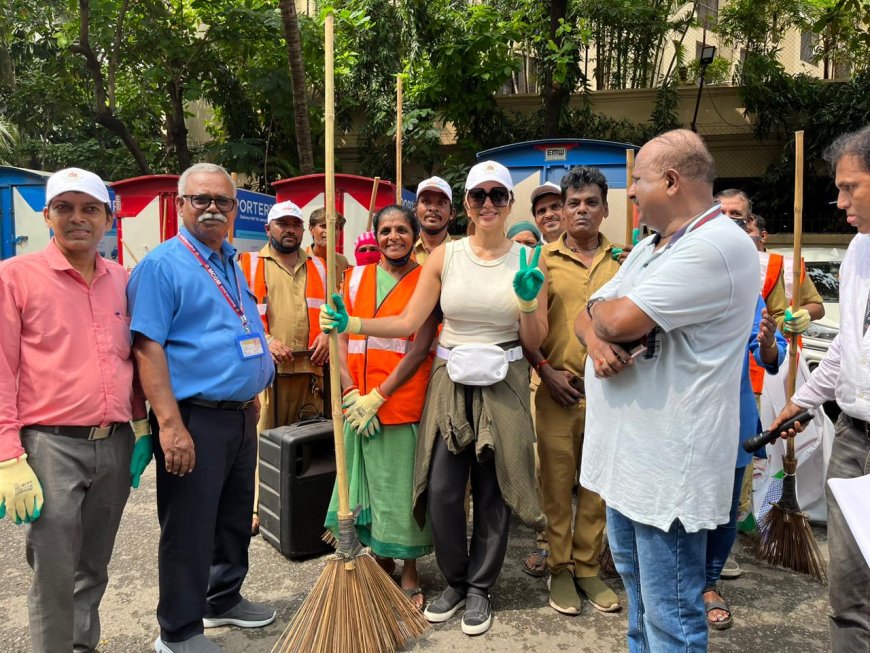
x=826 y=276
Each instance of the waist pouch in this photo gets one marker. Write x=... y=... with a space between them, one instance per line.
x=478 y=365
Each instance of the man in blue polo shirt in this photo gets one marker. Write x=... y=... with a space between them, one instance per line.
x=202 y=358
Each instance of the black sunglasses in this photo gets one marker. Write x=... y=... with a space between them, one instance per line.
x=500 y=197
x=202 y=202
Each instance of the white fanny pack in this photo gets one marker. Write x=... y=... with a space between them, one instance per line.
x=478 y=364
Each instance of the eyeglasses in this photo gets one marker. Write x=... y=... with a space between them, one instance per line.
x=499 y=196
x=740 y=223
x=202 y=202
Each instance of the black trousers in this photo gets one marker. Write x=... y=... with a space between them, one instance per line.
x=476 y=567
x=205 y=520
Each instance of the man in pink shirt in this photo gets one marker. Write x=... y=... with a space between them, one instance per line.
x=68 y=455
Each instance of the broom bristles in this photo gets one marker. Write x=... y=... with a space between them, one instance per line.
x=786 y=538
x=356 y=610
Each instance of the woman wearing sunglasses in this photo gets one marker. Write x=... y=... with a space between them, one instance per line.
x=384 y=386
x=476 y=422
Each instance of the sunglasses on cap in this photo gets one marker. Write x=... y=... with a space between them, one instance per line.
x=202 y=202
x=499 y=196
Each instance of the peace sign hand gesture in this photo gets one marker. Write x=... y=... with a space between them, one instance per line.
x=528 y=281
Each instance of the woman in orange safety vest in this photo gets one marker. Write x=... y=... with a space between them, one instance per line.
x=384 y=384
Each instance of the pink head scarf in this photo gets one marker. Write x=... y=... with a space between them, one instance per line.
x=366 y=258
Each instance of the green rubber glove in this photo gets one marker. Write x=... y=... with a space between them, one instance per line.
x=528 y=281
x=362 y=414
x=143 y=450
x=616 y=252
x=796 y=322
x=20 y=491
x=338 y=318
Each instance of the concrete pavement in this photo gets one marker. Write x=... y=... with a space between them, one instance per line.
x=774 y=610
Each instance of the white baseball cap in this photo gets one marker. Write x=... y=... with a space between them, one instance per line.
x=489 y=171
x=547 y=188
x=78 y=180
x=284 y=210
x=437 y=184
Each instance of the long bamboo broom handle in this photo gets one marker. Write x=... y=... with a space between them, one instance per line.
x=334 y=372
x=372 y=203
x=629 y=206
x=796 y=267
x=399 y=138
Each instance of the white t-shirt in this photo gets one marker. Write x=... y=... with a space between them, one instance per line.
x=660 y=436
x=477 y=296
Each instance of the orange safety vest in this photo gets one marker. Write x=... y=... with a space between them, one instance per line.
x=370 y=360
x=254 y=267
x=775 y=267
x=771 y=276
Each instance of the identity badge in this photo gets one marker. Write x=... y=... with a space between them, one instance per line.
x=250 y=345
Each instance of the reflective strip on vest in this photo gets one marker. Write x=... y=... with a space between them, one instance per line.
x=355 y=280
x=261 y=309
x=321 y=270
x=395 y=345
x=313 y=302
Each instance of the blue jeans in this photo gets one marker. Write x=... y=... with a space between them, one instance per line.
x=720 y=540
x=663 y=573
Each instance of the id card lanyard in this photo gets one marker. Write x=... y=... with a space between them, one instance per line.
x=235 y=305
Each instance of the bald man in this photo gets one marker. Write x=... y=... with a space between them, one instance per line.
x=666 y=339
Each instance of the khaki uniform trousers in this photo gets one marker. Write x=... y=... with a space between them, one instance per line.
x=575 y=532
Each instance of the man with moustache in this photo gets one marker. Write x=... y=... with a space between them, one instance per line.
x=661 y=429
x=434 y=211
x=843 y=375
x=203 y=359
x=579 y=262
x=547 y=200
x=67 y=394
x=317 y=228
x=290 y=287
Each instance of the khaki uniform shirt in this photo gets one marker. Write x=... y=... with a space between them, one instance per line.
x=777 y=301
x=570 y=284
x=341 y=261
x=419 y=251
x=287 y=309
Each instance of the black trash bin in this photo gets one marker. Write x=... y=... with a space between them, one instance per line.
x=297 y=473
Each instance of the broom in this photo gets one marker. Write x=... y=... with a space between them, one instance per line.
x=372 y=202
x=354 y=607
x=785 y=537
x=399 y=101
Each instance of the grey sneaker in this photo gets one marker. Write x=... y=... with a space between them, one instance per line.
x=196 y=644
x=731 y=569
x=445 y=606
x=245 y=615
x=478 y=614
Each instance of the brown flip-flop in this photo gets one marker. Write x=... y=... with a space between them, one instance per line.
x=411 y=592
x=535 y=563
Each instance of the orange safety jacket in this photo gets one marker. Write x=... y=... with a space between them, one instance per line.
x=775 y=267
x=370 y=360
x=254 y=267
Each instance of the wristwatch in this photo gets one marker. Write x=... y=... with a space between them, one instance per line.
x=589 y=304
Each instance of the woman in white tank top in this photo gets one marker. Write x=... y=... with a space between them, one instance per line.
x=491 y=292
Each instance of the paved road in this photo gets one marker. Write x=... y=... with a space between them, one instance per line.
x=774 y=610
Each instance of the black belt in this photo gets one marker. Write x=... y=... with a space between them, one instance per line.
x=859 y=424
x=219 y=405
x=80 y=432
